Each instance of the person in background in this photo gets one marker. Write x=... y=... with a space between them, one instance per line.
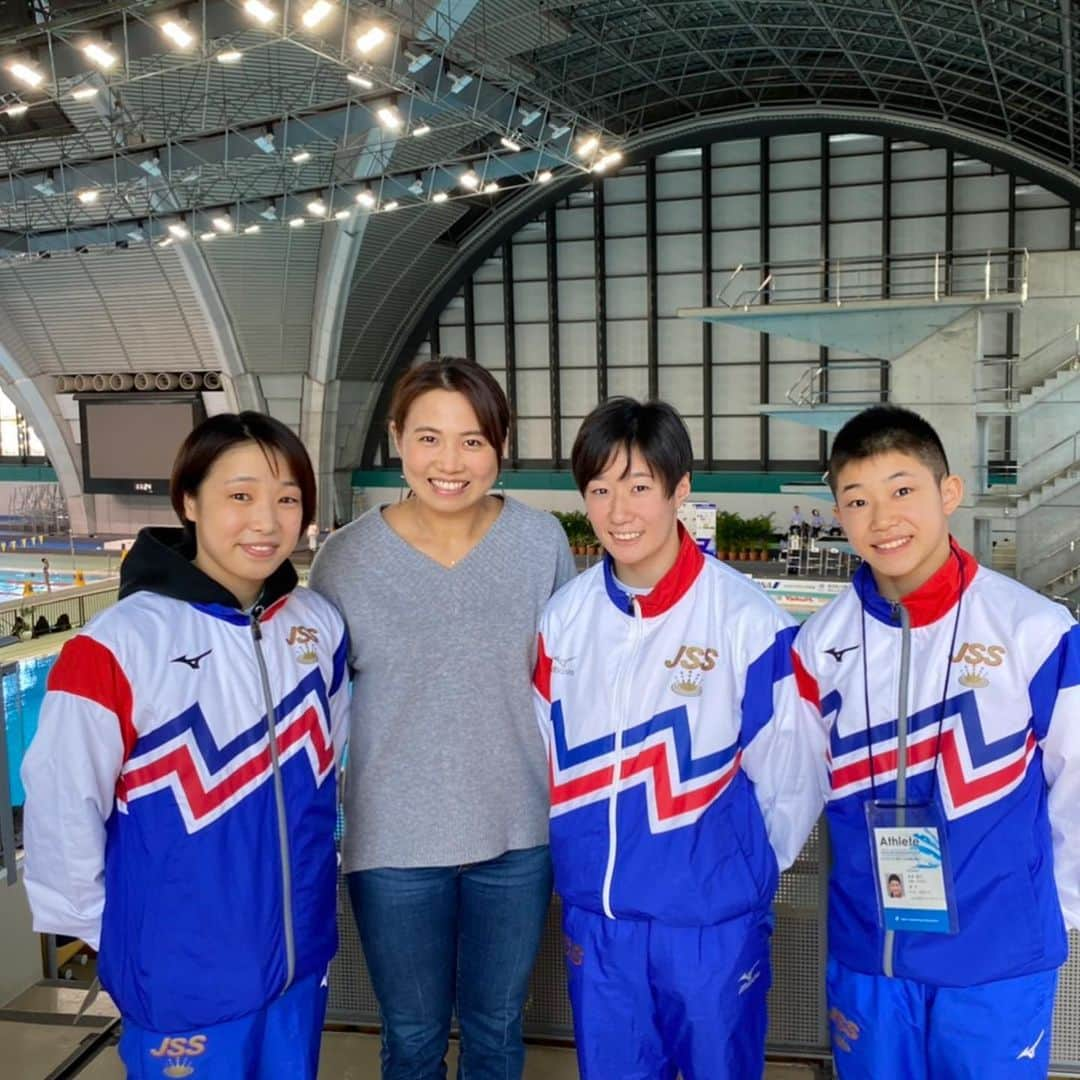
x=835 y=528
x=796 y=523
x=979 y=678
x=445 y=846
x=45 y=574
x=682 y=774
x=181 y=787
x=817 y=523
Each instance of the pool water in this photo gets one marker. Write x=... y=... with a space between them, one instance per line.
x=23 y=694
x=12 y=581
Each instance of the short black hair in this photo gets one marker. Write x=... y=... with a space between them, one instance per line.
x=884 y=429
x=222 y=432
x=653 y=427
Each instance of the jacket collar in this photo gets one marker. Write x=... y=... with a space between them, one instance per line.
x=160 y=561
x=931 y=600
x=669 y=590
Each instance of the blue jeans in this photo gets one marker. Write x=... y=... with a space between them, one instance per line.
x=457 y=935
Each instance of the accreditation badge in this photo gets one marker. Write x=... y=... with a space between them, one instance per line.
x=911 y=868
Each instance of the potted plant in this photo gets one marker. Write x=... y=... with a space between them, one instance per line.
x=760 y=534
x=726 y=534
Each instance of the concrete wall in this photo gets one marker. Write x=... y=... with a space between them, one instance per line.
x=19 y=945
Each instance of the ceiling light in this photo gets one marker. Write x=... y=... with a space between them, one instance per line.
x=252 y=229
x=359 y=80
x=25 y=73
x=166 y=242
x=317 y=208
x=259 y=11
x=265 y=142
x=510 y=144
x=529 y=116
x=365 y=198
x=389 y=117
x=316 y=13
x=559 y=130
x=459 y=82
x=222 y=224
x=422 y=129
x=84 y=93
x=151 y=166
x=178 y=231
x=177 y=33
x=230 y=56
x=16 y=110
x=440 y=196
x=45 y=186
x=469 y=180
x=300 y=157
x=417 y=186
x=417 y=61
x=391 y=205
x=370 y=38
x=490 y=188
x=545 y=176
x=341 y=215
x=99 y=54
x=90 y=195
x=206 y=237
x=296 y=222
x=607 y=161
x=587 y=146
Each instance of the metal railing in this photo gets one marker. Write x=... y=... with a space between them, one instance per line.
x=8 y=854
x=1067 y=343
x=812 y=387
x=925 y=275
x=79 y=604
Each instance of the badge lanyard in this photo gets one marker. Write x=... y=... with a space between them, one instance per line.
x=907 y=840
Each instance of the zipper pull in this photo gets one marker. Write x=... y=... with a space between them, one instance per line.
x=256 y=629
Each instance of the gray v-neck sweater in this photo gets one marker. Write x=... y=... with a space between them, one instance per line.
x=446 y=765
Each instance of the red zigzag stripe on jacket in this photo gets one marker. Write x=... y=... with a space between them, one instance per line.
x=203 y=801
x=668 y=805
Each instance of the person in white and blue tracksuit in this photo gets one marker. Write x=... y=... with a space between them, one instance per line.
x=681 y=779
x=181 y=787
x=947 y=702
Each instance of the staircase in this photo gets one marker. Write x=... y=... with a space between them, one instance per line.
x=1063 y=462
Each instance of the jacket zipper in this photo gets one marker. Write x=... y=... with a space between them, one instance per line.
x=279 y=800
x=621 y=717
x=901 y=614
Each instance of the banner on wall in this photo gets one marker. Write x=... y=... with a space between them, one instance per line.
x=699 y=518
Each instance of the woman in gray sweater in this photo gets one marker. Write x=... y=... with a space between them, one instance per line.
x=446 y=805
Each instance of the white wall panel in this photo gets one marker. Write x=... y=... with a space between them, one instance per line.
x=1043 y=230
x=980 y=192
x=735 y=386
x=854 y=168
x=734 y=345
x=534 y=439
x=792 y=441
x=681 y=387
x=452 y=340
x=530 y=261
x=627 y=187
x=490 y=269
x=681 y=184
x=914 y=235
x=855 y=239
x=578 y=388
x=736 y=438
x=534 y=392
x=729 y=249
x=530 y=301
x=976 y=232
x=795 y=175
x=625 y=256
x=917 y=164
x=674 y=291
x=626 y=220
x=626 y=297
x=574 y=223
x=491 y=346
x=488 y=302
x=735 y=152
x=736 y=180
x=855 y=201
x=682 y=215
x=736 y=211
x=918 y=197
x=785 y=147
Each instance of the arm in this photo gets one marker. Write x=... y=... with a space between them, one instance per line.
x=1055 y=711
x=340 y=688
x=70 y=774
x=784 y=744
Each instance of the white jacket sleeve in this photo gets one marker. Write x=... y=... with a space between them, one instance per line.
x=784 y=745
x=340 y=696
x=70 y=774
x=1055 y=699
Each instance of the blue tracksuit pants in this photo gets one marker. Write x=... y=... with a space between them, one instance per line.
x=279 y=1040
x=652 y=1000
x=899 y=1029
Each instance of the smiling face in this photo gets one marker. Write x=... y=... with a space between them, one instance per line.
x=247 y=515
x=447 y=460
x=896 y=517
x=635 y=518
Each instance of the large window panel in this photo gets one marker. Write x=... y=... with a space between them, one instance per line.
x=678 y=253
x=681 y=386
x=1043 y=230
x=631 y=381
x=918 y=164
x=911 y=236
x=678 y=216
x=626 y=343
x=625 y=255
x=736 y=211
x=452 y=340
x=530 y=301
x=629 y=186
x=533 y=392
x=488 y=302
x=531 y=345
x=577 y=299
x=789 y=441
x=735 y=438
x=736 y=152
x=858 y=168
x=980 y=192
x=577 y=346
x=530 y=261
x=574 y=222
x=678 y=185
x=855 y=203
x=491 y=346
x=734 y=345
x=977 y=232
x=735 y=386
x=735 y=180
x=794 y=175
x=684 y=160
x=786 y=147
x=729 y=249
x=918 y=197
x=624 y=220
x=534 y=439
x=576 y=258
x=626 y=296
x=674 y=291
x=679 y=342
x=489 y=269
x=578 y=388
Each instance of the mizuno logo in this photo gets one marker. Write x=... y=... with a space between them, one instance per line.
x=191 y=661
x=838 y=654
x=748 y=978
x=1029 y=1051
